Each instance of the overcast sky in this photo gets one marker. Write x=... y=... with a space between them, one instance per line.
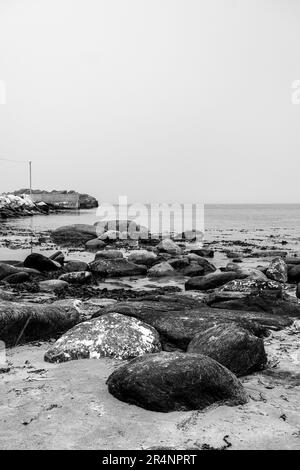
x=159 y=100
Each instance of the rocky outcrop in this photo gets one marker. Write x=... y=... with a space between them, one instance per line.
x=12 y=206
x=112 y=335
x=23 y=322
x=232 y=346
x=175 y=382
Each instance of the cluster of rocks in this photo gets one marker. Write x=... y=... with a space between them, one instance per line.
x=85 y=200
x=12 y=206
x=181 y=352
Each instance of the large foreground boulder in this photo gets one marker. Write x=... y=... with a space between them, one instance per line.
x=116 y=268
x=23 y=322
x=111 y=335
x=74 y=235
x=41 y=263
x=212 y=280
x=232 y=346
x=175 y=382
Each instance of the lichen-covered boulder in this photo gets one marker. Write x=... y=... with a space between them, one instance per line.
x=53 y=285
x=175 y=382
x=111 y=335
x=77 y=277
x=116 y=268
x=161 y=269
x=252 y=286
x=277 y=270
x=232 y=346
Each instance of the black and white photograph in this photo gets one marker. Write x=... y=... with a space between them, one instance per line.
x=149 y=228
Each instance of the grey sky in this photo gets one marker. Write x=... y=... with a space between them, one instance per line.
x=159 y=100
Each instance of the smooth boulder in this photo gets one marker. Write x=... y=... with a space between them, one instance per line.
x=211 y=281
x=111 y=335
x=232 y=346
x=76 y=265
x=23 y=322
x=161 y=269
x=168 y=246
x=116 y=268
x=167 y=382
x=145 y=257
x=17 y=278
x=109 y=254
x=74 y=235
x=41 y=263
x=53 y=285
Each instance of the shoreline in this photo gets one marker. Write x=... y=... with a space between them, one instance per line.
x=42 y=396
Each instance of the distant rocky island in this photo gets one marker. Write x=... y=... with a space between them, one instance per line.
x=24 y=203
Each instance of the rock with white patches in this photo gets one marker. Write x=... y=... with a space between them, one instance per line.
x=111 y=335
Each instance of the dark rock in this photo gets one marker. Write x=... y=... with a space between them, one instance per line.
x=95 y=244
x=194 y=269
x=58 y=256
x=292 y=260
x=298 y=291
x=40 y=263
x=207 y=253
x=190 y=235
x=179 y=263
x=87 y=202
x=74 y=235
x=6 y=270
x=145 y=257
x=76 y=265
x=294 y=273
x=116 y=268
x=23 y=322
x=277 y=270
x=111 y=335
x=260 y=303
x=211 y=281
x=232 y=346
x=175 y=382
x=17 y=278
x=109 y=254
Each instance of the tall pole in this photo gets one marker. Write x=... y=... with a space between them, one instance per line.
x=30 y=179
